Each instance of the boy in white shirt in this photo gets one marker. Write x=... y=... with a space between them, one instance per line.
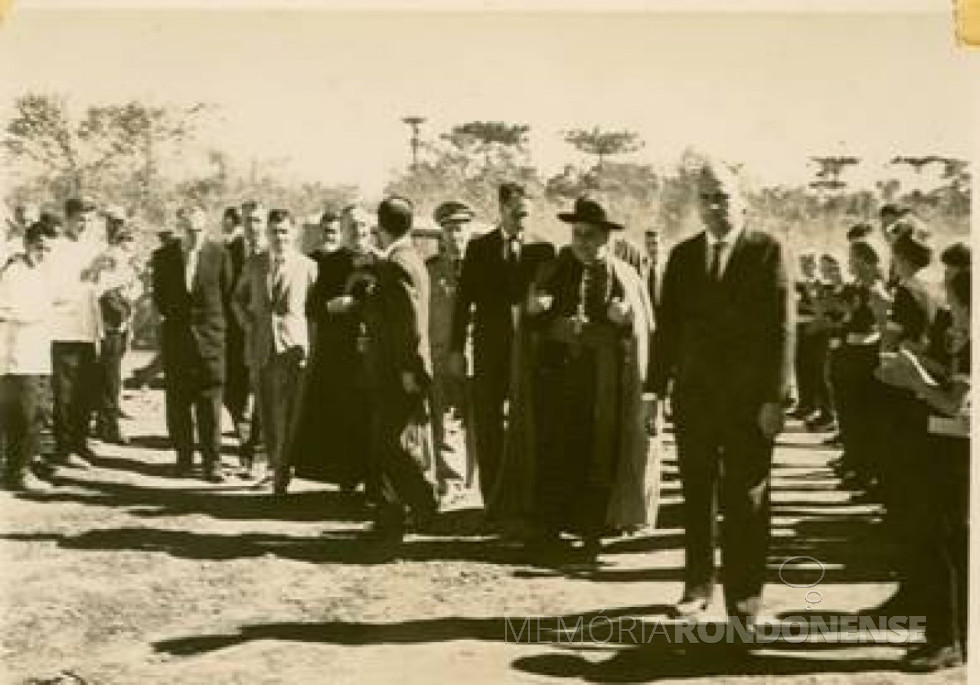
x=25 y=361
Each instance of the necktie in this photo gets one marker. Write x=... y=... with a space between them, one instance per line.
x=513 y=250
x=275 y=277
x=714 y=273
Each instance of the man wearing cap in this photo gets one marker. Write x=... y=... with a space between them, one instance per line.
x=396 y=315
x=448 y=390
x=192 y=290
x=724 y=346
x=119 y=287
x=491 y=296
x=592 y=322
x=77 y=329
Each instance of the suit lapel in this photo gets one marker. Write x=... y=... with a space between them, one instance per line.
x=735 y=259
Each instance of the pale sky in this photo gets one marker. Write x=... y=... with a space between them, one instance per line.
x=327 y=90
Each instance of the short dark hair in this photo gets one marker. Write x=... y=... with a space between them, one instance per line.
x=508 y=190
x=277 y=216
x=866 y=251
x=234 y=214
x=75 y=206
x=395 y=215
x=51 y=219
x=960 y=287
x=38 y=230
x=329 y=216
x=859 y=231
x=956 y=256
x=892 y=210
x=913 y=249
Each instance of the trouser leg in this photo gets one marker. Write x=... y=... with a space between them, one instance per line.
x=697 y=457
x=745 y=497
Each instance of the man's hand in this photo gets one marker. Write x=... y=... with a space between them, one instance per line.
x=457 y=364
x=539 y=304
x=409 y=383
x=619 y=313
x=340 y=304
x=771 y=419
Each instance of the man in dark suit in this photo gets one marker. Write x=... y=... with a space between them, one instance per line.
x=493 y=286
x=396 y=314
x=192 y=290
x=651 y=242
x=725 y=341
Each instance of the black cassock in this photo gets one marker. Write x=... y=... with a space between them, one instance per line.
x=334 y=430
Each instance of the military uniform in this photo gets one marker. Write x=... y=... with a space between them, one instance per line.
x=448 y=391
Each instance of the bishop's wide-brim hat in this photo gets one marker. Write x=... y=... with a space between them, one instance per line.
x=588 y=211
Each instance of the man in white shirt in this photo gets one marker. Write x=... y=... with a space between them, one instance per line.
x=76 y=331
x=25 y=359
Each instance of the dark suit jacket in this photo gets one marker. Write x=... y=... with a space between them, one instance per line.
x=407 y=282
x=194 y=323
x=235 y=333
x=488 y=288
x=731 y=344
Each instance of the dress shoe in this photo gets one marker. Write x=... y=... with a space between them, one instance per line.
x=799 y=412
x=184 y=468
x=932 y=658
x=822 y=422
x=834 y=440
x=112 y=436
x=386 y=530
x=691 y=607
x=72 y=460
x=26 y=482
x=86 y=453
x=213 y=474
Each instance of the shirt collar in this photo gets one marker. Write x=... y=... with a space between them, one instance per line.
x=239 y=232
x=507 y=236
x=186 y=248
x=404 y=240
x=730 y=238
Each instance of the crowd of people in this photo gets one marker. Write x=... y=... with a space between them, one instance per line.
x=883 y=363
x=352 y=365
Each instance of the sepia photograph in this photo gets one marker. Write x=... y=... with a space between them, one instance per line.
x=485 y=343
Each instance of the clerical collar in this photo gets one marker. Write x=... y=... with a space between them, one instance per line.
x=404 y=240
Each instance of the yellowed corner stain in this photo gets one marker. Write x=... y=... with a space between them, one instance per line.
x=5 y=7
x=968 y=22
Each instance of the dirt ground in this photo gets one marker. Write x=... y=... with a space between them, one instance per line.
x=124 y=574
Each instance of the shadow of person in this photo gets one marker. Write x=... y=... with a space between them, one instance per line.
x=661 y=660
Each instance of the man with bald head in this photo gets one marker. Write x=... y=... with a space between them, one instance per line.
x=724 y=348
x=192 y=281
